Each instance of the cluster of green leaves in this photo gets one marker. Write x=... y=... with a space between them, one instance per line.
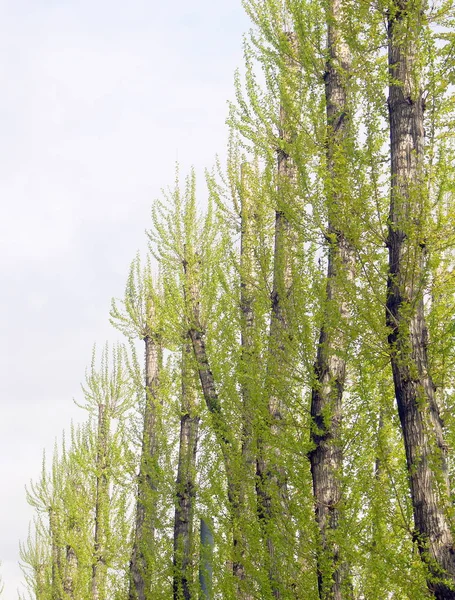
x=59 y=554
x=375 y=533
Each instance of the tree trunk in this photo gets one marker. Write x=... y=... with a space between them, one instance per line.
x=330 y=366
x=271 y=476
x=70 y=573
x=99 y=568
x=41 y=588
x=186 y=483
x=141 y=564
x=408 y=337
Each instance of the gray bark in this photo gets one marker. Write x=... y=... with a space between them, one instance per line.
x=408 y=336
x=141 y=564
x=186 y=482
x=330 y=366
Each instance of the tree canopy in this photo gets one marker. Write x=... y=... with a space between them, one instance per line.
x=291 y=432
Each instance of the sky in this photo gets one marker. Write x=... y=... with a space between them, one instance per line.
x=98 y=101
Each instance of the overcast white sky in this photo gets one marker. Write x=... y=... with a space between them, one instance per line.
x=98 y=100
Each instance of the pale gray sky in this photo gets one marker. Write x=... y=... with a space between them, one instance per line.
x=99 y=98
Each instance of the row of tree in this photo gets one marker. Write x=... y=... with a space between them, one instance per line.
x=260 y=453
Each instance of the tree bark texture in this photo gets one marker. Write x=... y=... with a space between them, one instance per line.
x=142 y=556
x=271 y=485
x=186 y=483
x=330 y=366
x=70 y=572
x=408 y=336
x=99 y=567
x=40 y=588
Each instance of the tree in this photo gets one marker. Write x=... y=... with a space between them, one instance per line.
x=330 y=367
x=271 y=472
x=267 y=402
x=185 y=486
x=79 y=544
x=188 y=252
x=423 y=435
x=140 y=319
x=108 y=393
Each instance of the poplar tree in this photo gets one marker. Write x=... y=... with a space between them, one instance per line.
x=107 y=393
x=272 y=486
x=186 y=480
x=422 y=426
x=330 y=367
x=272 y=421
x=139 y=318
x=77 y=548
x=184 y=547
x=187 y=248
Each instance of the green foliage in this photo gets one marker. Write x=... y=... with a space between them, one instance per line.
x=204 y=277
x=58 y=556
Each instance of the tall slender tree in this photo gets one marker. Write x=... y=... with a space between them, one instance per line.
x=260 y=316
x=248 y=357
x=107 y=393
x=184 y=546
x=139 y=319
x=187 y=247
x=330 y=366
x=423 y=434
x=35 y=561
x=271 y=473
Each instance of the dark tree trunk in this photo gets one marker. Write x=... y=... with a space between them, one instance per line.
x=408 y=337
x=142 y=557
x=70 y=572
x=186 y=483
x=330 y=366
